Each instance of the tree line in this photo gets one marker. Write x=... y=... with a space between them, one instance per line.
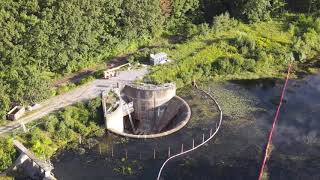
x=42 y=39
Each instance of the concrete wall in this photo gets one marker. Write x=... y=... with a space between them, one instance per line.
x=114 y=119
x=149 y=102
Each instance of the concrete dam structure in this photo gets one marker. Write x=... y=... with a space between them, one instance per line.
x=146 y=111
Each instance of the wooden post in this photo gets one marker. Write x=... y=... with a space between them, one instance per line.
x=192 y=143
x=154 y=154
x=111 y=150
x=169 y=152
x=80 y=140
x=202 y=138
x=181 y=148
x=24 y=128
x=126 y=151
x=100 y=149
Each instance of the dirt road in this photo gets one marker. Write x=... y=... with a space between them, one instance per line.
x=88 y=91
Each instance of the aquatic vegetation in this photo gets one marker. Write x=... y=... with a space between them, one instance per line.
x=235 y=101
x=126 y=167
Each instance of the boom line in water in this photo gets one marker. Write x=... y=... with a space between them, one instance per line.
x=274 y=123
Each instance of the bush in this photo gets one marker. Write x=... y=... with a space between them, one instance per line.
x=87 y=80
x=249 y=65
x=65 y=88
x=188 y=30
x=223 y=22
x=51 y=123
x=204 y=29
x=228 y=65
x=244 y=43
x=312 y=39
x=141 y=57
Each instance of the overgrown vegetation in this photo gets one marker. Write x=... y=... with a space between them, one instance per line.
x=231 y=49
x=55 y=131
x=41 y=40
x=44 y=40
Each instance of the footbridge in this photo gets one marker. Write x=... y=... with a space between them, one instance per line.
x=33 y=165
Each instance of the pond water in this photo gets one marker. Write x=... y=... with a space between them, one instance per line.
x=236 y=152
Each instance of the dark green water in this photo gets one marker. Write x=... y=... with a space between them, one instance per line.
x=236 y=152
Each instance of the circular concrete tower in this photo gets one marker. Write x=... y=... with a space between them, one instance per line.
x=150 y=102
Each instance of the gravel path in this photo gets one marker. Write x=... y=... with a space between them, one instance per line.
x=88 y=91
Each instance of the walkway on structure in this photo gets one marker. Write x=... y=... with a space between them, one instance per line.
x=42 y=164
x=204 y=142
x=86 y=92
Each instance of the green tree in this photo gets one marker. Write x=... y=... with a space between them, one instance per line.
x=142 y=18
x=277 y=7
x=256 y=10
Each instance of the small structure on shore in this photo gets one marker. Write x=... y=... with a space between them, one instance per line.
x=15 y=113
x=113 y=72
x=160 y=58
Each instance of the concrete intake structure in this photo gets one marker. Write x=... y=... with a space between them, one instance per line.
x=153 y=111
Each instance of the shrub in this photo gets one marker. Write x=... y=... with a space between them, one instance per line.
x=223 y=22
x=98 y=74
x=299 y=50
x=312 y=39
x=228 y=65
x=263 y=61
x=141 y=57
x=51 y=123
x=87 y=79
x=249 y=65
x=65 y=88
x=244 y=43
x=203 y=29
